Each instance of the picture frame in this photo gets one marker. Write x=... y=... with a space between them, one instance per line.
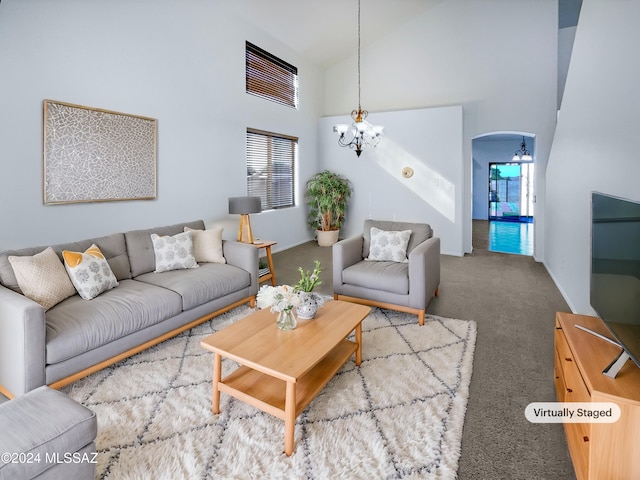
x=96 y=155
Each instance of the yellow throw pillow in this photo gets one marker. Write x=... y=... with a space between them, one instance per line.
x=42 y=278
x=89 y=272
x=207 y=245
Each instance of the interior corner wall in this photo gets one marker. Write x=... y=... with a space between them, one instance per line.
x=595 y=146
x=182 y=63
x=463 y=52
x=429 y=141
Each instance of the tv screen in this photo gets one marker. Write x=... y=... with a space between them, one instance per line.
x=615 y=268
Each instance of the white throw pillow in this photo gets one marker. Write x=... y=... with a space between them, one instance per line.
x=173 y=252
x=207 y=245
x=42 y=278
x=89 y=272
x=389 y=246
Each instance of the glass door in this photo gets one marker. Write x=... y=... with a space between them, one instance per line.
x=511 y=191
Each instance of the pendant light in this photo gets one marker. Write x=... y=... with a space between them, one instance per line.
x=360 y=133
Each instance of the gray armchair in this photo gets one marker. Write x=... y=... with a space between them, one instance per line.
x=405 y=286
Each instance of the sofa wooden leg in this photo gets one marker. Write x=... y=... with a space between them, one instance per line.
x=421 y=317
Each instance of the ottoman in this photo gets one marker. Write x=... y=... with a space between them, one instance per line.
x=46 y=435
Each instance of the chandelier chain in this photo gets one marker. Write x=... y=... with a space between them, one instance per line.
x=359 y=87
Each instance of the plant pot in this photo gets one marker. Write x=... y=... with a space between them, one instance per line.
x=309 y=304
x=326 y=238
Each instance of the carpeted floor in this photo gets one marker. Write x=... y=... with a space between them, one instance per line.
x=398 y=415
x=513 y=300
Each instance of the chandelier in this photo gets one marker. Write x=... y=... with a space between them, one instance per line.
x=360 y=133
x=522 y=154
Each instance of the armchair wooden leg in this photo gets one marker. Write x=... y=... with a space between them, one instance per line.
x=421 y=318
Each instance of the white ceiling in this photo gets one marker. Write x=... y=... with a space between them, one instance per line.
x=326 y=31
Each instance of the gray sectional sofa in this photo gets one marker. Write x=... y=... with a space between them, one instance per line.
x=77 y=337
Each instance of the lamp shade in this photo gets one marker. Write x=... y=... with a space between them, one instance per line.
x=245 y=205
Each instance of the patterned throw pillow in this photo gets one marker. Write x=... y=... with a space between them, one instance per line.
x=89 y=272
x=173 y=252
x=389 y=246
x=42 y=278
x=207 y=245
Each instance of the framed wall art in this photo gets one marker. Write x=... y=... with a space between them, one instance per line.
x=94 y=155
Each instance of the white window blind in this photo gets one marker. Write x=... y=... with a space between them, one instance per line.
x=270 y=77
x=271 y=160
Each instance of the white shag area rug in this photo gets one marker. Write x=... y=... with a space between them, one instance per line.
x=398 y=415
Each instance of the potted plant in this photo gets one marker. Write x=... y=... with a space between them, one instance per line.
x=327 y=194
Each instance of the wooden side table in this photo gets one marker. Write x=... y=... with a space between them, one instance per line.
x=271 y=274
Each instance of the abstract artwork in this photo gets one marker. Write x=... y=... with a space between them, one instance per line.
x=94 y=155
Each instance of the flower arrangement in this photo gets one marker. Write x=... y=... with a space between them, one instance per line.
x=309 y=280
x=280 y=298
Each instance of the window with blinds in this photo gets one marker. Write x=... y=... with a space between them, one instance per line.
x=271 y=78
x=271 y=160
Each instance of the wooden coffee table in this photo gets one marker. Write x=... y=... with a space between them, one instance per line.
x=281 y=372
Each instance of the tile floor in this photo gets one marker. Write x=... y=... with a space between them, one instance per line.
x=511 y=237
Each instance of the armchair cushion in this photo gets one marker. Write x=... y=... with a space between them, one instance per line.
x=387 y=276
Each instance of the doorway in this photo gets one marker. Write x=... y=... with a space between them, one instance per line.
x=511 y=207
x=511 y=191
x=503 y=190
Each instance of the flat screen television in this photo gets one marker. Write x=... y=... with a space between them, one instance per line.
x=615 y=269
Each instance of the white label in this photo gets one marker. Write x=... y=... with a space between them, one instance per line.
x=572 y=412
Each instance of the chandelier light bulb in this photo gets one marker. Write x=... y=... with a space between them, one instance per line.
x=341 y=128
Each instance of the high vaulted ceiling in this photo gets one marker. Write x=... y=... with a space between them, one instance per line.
x=326 y=31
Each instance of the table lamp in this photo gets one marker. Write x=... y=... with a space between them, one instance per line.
x=244 y=206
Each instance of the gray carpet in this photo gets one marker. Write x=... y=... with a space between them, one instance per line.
x=513 y=300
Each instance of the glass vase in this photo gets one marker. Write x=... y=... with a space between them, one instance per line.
x=286 y=320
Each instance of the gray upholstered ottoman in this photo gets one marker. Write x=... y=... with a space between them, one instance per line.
x=46 y=435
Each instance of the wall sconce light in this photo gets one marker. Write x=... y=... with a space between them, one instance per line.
x=244 y=206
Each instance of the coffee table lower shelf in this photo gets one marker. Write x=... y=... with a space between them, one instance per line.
x=269 y=393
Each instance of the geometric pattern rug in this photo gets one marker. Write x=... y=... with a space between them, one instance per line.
x=398 y=415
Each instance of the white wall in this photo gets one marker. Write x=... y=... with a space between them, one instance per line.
x=496 y=58
x=179 y=62
x=427 y=140
x=595 y=147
